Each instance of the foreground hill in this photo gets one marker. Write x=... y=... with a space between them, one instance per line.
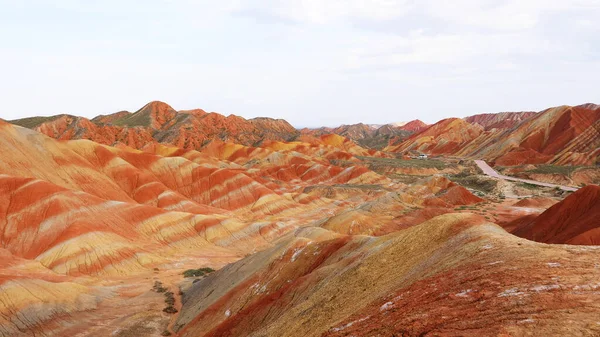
x=455 y=275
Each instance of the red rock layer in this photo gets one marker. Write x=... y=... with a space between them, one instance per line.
x=500 y=120
x=466 y=276
x=563 y=136
x=575 y=220
x=157 y=121
x=444 y=137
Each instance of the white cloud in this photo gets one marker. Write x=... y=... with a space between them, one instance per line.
x=329 y=59
x=332 y=11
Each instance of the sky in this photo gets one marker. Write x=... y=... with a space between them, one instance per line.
x=311 y=62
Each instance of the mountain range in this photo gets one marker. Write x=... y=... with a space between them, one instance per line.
x=188 y=223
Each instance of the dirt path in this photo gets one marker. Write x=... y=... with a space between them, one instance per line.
x=488 y=170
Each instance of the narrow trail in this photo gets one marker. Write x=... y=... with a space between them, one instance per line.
x=489 y=171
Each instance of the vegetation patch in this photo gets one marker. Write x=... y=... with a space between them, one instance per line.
x=529 y=186
x=158 y=287
x=554 y=169
x=197 y=272
x=32 y=122
x=478 y=183
x=397 y=162
x=169 y=297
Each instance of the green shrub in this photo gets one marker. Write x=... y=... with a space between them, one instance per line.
x=197 y=272
x=170 y=310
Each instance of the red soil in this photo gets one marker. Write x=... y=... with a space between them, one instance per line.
x=575 y=220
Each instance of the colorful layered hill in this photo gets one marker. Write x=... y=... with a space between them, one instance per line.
x=575 y=220
x=157 y=121
x=455 y=275
x=500 y=120
x=110 y=227
x=370 y=136
x=444 y=137
x=73 y=213
x=565 y=135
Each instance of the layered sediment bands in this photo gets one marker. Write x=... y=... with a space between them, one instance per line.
x=159 y=122
x=370 y=136
x=73 y=233
x=368 y=286
x=308 y=239
x=93 y=209
x=397 y=210
x=444 y=137
x=575 y=220
x=565 y=135
x=500 y=120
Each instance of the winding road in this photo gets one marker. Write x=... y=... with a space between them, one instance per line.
x=489 y=171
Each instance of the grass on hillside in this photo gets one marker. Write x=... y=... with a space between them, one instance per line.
x=197 y=272
x=475 y=182
x=32 y=122
x=546 y=169
x=397 y=162
x=529 y=186
x=554 y=169
x=136 y=119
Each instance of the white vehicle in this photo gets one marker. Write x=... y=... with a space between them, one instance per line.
x=422 y=156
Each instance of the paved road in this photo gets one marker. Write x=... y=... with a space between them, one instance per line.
x=488 y=170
